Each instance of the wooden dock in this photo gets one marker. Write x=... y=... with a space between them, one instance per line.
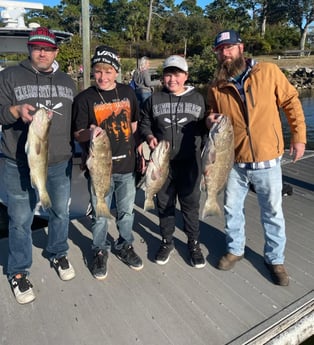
x=173 y=304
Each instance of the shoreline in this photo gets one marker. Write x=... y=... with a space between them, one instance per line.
x=291 y=63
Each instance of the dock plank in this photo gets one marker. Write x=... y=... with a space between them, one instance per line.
x=174 y=304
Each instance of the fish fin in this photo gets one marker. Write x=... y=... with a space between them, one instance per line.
x=211 y=209
x=38 y=148
x=212 y=156
x=209 y=151
x=44 y=200
x=33 y=184
x=149 y=204
x=27 y=147
x=141 y=182
x=89 y=162
x=156 y=173
x=102 y=210
x=211 y=148
x=203 y=184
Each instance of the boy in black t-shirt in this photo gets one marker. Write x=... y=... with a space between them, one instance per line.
x=112 y=107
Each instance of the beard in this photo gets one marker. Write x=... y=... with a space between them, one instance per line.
x=227 y=69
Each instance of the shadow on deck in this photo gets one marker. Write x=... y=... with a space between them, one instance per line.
x=176 y=303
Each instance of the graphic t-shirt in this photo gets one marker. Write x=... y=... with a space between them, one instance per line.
x=114 y=111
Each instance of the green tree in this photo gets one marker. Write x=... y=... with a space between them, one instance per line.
x=177 y=32
x=189 y=7
x=70 y=12
x=158 y=28
x=160 y=9
x=282 y=37
x=224 y=15
x=49 y=17
x=71 y=53
x=202 y=67
x=200 y=34
x=301 y=14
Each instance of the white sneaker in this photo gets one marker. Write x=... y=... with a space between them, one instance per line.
x=22 y=288
x=64 y=268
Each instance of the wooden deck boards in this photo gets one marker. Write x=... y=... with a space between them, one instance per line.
x=172 y=304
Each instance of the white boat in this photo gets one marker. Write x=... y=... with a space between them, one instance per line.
x=14 y=35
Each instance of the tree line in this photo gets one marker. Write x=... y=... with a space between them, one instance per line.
x=158 y=28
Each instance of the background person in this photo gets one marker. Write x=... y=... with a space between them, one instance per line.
x=112 y=107
x=176 y=114
x=251 y=93
x=36 y=82
x=144 y=85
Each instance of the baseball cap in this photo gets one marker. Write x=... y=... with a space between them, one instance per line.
x=176 y=61
x=105 y=54
x=42 y=36
x=227 y=37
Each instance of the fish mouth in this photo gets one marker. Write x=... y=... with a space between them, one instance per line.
x=50 y=115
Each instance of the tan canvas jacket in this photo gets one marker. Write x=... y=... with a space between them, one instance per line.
x=257 y=124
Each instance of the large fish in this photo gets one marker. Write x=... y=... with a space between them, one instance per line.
x=36 y=148
x=217 y=160
x=156 y=172
x=99 y=163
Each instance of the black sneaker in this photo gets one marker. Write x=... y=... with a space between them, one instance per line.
x=99 y=267
x=129 y=257
x=197 y=258
x=163 y=254
x=22 y=288
x=64 y=268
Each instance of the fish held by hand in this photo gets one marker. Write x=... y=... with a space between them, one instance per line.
x=36 y=149
x=99 y=164
x=156 y=172
x=217 y=160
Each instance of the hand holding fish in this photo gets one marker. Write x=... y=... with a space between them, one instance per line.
x=141 y=162
x=95 y=131
x=152 y=141
x=23 y=111
x=99 y=164
x=156 y=172
x=212 y=118
x=36 y=148
x=217 y=160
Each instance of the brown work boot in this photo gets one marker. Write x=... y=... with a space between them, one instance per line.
x=227 y=261
x=278 y=274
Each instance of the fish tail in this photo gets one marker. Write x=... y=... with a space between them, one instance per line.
x=149 y=204
x=34 y=183
x=203 y=184
x=102 y=210
x=211 y=209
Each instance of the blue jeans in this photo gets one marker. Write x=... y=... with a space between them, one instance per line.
x=21 y=202
x=268 y=186
x=142 y=97
x=123 y=189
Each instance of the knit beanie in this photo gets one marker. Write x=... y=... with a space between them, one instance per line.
x=105 y=54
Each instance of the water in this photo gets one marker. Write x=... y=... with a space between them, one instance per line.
x=307 y=99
